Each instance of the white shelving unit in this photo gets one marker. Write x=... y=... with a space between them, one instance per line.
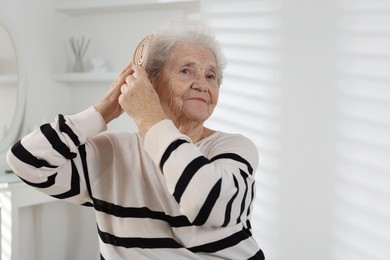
x=78 y=7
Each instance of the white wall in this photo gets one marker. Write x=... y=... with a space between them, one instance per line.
x=308 y=122
x=8 y=88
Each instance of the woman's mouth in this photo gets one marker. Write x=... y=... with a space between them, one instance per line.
x=199 y=99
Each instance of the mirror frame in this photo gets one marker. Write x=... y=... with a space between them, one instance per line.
x=15 y=128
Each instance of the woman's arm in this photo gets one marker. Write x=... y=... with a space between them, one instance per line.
x=53 y=157
x=215 y=189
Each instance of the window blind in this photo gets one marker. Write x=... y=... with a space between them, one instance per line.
x=362 y=211
x=249 y=104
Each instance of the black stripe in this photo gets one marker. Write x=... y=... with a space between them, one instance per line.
x=101 y=257
x=48 y=183
x=66 y=129
x=221 y=244
x=143 y=212
x=244 y=176
x=131 y=242
x=83 y=157
x=235 y=157
x=173 y=146
x=248 y=229
x=74 y=185
x=230 y=203
x=258 y=256
x=252 y=198
x=205 y=211
x=187 y=175
x=249 y=225
x=56 y=142
x=25 y=156
x=87 y=204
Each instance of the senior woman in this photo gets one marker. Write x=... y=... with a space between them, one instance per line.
x=172 y=190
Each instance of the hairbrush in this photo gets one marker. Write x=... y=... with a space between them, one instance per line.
x=141 y=53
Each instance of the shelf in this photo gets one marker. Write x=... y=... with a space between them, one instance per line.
x=8 y=79
x=75 y=7
x=87 y=77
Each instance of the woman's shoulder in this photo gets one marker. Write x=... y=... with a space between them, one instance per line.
x=232 y=143
x=229 y=138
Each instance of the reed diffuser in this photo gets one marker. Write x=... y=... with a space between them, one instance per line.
x=79 y=48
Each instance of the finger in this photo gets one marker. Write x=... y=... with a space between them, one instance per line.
x=140 y=71
x=125 y=73
x=129 y=79
x=128 y=68
x=124 y=88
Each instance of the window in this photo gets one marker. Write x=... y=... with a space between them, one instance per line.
x=249 y=31
x=362 y=212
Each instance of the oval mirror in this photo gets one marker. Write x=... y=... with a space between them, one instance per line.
x=12 y=100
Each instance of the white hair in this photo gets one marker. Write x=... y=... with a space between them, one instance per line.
x=170 y=34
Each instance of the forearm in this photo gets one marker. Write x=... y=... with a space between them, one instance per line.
x=49 y=158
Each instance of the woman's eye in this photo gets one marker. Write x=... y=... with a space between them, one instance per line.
x=185 y=71
x=211 y=76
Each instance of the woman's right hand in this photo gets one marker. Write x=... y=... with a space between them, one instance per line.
x=109 y=106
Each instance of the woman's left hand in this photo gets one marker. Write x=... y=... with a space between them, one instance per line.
x=140 y=101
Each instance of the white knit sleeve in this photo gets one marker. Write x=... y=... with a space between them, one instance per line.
x=51 y=158
x=214 y=189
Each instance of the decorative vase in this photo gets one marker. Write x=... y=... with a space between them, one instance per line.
x=78 y=65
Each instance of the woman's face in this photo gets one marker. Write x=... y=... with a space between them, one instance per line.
x=188 y=84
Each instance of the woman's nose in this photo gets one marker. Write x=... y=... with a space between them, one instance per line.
x=200 y=84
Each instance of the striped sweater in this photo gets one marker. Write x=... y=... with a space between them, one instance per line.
x=155 y=197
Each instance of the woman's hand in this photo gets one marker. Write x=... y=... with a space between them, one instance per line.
x=140 y=101
x=109 y=106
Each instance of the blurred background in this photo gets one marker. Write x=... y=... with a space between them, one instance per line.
x=307 y=80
